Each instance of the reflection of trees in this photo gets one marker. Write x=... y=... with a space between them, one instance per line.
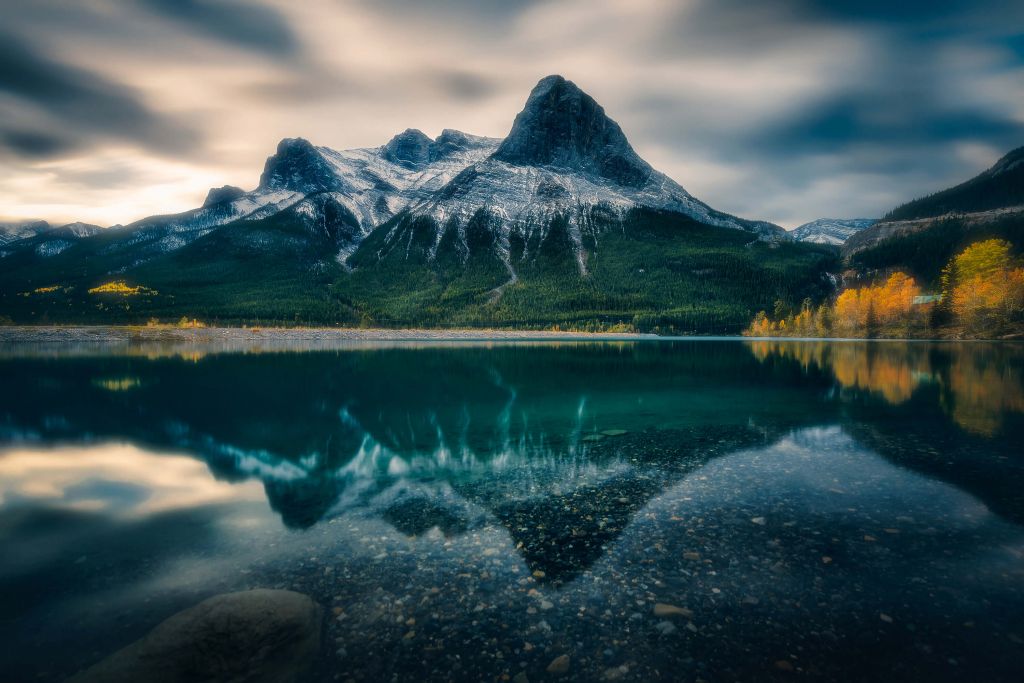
x=983 y=391
x=980 y=383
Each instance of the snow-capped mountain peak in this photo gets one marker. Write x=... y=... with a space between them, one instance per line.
x=564 y=158
x=834 y=231
x=18 y=230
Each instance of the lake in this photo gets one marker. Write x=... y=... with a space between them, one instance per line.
x=716 y=510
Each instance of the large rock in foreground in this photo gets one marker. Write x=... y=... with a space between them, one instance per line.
x=251 y=637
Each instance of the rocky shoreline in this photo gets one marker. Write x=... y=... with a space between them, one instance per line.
x=21 y=339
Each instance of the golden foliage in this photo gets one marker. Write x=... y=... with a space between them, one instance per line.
x=118 y=383
x=121 y=288
x=982 y=259
x=983 y=296
x=984 y=392
x=857 y=312
x=989 y=299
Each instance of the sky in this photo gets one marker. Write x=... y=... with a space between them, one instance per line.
x=779 y=110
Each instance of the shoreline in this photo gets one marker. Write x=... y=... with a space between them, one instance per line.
x=194 y=342
x=142 y=340
x=144 y=333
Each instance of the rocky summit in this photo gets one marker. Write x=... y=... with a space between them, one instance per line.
x=563 y=127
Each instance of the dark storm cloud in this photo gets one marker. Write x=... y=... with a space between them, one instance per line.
x=848 y=121
x=76 y=104
x=245 y=24
x=913 y=12
x=31 y=144
x=900 y=116
x=477 y=10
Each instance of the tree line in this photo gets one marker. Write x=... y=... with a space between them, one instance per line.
x=982 y=296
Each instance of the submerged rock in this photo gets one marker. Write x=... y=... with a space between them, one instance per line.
x=664 y=610
x=559 y=665
x=252 y=636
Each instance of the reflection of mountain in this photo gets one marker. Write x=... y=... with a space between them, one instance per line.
x=436 y=437
x=893 y=541
x=452 y=437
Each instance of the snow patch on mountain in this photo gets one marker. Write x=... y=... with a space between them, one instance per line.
x=833 y=231
x=19 y=230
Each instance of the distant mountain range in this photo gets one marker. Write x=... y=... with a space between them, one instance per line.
x=559 y=222
x=12 y=232
x=832 y=231
x=46 y=240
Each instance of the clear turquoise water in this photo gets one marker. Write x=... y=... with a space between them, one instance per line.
x=827 y=510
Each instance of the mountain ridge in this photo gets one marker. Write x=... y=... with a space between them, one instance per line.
x=562 y=155
x=560 y=222
x=999 y=186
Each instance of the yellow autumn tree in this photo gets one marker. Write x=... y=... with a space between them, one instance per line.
x=893 y=300
x=984 y=286
x=849 y=313
x=887 y=308
x=982 y=259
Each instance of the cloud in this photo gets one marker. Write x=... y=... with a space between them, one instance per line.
x=76 y=104
x=32 y=144
x=464 y=85
x=783 y=110
x=485 y=15
x=247 y=24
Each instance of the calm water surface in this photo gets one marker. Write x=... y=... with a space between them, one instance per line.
x=817 y=510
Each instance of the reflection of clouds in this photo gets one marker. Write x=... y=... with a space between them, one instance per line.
x=116 y=478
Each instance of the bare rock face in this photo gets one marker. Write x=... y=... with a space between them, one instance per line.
x=252 y=637
x=562 y=126
x=298 y=166
x=222 y=195
x=410 y=149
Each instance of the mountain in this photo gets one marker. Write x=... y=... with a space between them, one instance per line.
x=921 y=236
x=564 y=159
x=999 y=187
x=833 y=231
x=44 y=240
x=18 y=230
x=560 y=222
